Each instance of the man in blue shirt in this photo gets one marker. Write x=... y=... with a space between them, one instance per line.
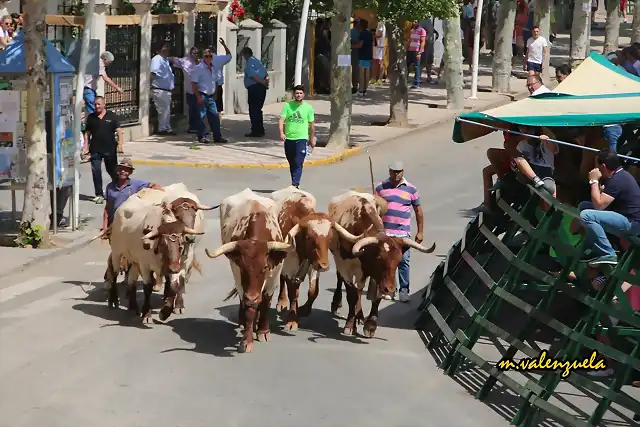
x=162 y=83
x=204 y=81
x=256 y=80
x=120 y=189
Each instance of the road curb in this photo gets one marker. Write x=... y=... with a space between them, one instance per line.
x=350 y=152
x=319 y=162
x=71 y=248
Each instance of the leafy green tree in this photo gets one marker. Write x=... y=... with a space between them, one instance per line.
x=395 y=14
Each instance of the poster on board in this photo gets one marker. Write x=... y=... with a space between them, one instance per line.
x=65 y=147
x=8 y=151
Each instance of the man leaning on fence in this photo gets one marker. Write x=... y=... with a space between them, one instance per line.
x=219 y=61
x=188 y=64
x=256 y=80
x=162 y=83
x=203 y=82
x=91 y=82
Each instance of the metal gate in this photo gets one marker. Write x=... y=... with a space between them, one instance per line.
x=206 y=31
x=63 y=35
x=124 y=42
x=173 y=35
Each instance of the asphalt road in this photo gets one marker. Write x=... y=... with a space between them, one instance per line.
x=67 y=360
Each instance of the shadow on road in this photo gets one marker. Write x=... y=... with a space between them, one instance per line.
x=210 y=336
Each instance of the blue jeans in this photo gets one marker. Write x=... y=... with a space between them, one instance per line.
x=611 y=135
x=412 y=60
x=194 y=111
x=256 y=94
x=89 y=97
x=597 y=223
x=403 y=271
x=296 y=151
x=209 y=110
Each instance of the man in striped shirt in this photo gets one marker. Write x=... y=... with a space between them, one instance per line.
x=416 y=46
x=401 y=196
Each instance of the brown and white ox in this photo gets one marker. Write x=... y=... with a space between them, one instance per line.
x=149 y=240
x=310 y=232
x=252 y=240
x=373 y=259
x=187 y=208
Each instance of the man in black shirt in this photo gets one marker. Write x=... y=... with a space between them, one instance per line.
x=100 y=141
x=615 y=208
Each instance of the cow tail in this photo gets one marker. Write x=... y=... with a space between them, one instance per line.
x=195 y=264
x=232 y=294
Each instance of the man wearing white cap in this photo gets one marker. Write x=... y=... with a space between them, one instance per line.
x=401 y=197
x=91 y=82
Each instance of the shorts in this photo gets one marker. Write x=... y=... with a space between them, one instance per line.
x=532 y=66
x=378 y=53
x=365 y=63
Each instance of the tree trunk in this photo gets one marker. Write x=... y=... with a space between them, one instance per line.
x=542 y=18
x=453 y=63
x=398 y=76
x=340 y=76
x=613 y=26
x=37 y=205
x=580 y=32
x=635 y=27
x=504 y=50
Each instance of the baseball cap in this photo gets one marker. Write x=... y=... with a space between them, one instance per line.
x=396 y=165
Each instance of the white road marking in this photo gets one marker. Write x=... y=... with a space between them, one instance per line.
x=42 y=305
x=22 y=288
x=98 y=263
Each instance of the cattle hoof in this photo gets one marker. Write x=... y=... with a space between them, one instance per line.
x=146 y=317
x=114 y=303
x=177 y=310
x=156 y=287
x=281 y=307
x=335 y=308
x=264 y=336
x=291 y=326
x=165 y=313
x=349 y=331
x=369 y=329
x=245 y=347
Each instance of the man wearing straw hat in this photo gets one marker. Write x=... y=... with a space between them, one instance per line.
x=120 y=189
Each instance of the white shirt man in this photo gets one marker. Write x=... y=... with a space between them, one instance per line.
x=537 y=47
x=162 y=83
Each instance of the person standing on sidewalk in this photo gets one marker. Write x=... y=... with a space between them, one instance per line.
x=256 y=80
x=378 y=54
x=188 y=64
x=297 y=130
x=100 y=141
x=401 y=197
x=537 y=51
x=162 y=83
x=91 y=82
x=354 y=34
x=204 y=80
x=219 y=61
x=365 y=56
x=415 y=49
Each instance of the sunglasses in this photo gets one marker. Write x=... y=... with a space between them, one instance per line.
x=208 y=56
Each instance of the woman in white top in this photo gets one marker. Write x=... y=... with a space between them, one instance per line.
x=378 y=53
x=536 y=161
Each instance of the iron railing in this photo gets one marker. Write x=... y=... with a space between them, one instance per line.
x=206 y=34
x=62 y=36
x=267 y=50
x=242 y=43
x=173 y=35
x=124 y=42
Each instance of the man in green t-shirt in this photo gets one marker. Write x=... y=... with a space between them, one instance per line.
x=297 y=129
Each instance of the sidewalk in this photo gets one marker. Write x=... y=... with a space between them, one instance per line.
x=427 y=106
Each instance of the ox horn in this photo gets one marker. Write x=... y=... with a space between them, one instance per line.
x=418 y=246
x=293 y=232
x=362 y=243
x=279 y=246
x=344 y=233
x=224 y=249
x=192 y=232
x=205 y=207
x=150 y=235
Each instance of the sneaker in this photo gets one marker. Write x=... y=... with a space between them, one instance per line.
x=220 y=141
x=404 y=295
x=98 y=200
x=203 y=141
x=378 y=83
x=414 y=87
x=603 y=260
x=387 y=297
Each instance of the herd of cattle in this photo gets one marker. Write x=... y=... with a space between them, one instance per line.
x=269 y=241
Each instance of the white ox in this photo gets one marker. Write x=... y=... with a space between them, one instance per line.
x=252 y=240
x=310 y=232
x=149 y=239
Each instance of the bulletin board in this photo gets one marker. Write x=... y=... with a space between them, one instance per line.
x=62 y=123
x=13 y=159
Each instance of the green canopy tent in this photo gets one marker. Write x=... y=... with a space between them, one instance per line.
x=597 y=93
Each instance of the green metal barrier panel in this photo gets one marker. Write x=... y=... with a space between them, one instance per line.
x=515 y=281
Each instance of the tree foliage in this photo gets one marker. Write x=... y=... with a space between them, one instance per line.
x=408 y=10
x=286 y=11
